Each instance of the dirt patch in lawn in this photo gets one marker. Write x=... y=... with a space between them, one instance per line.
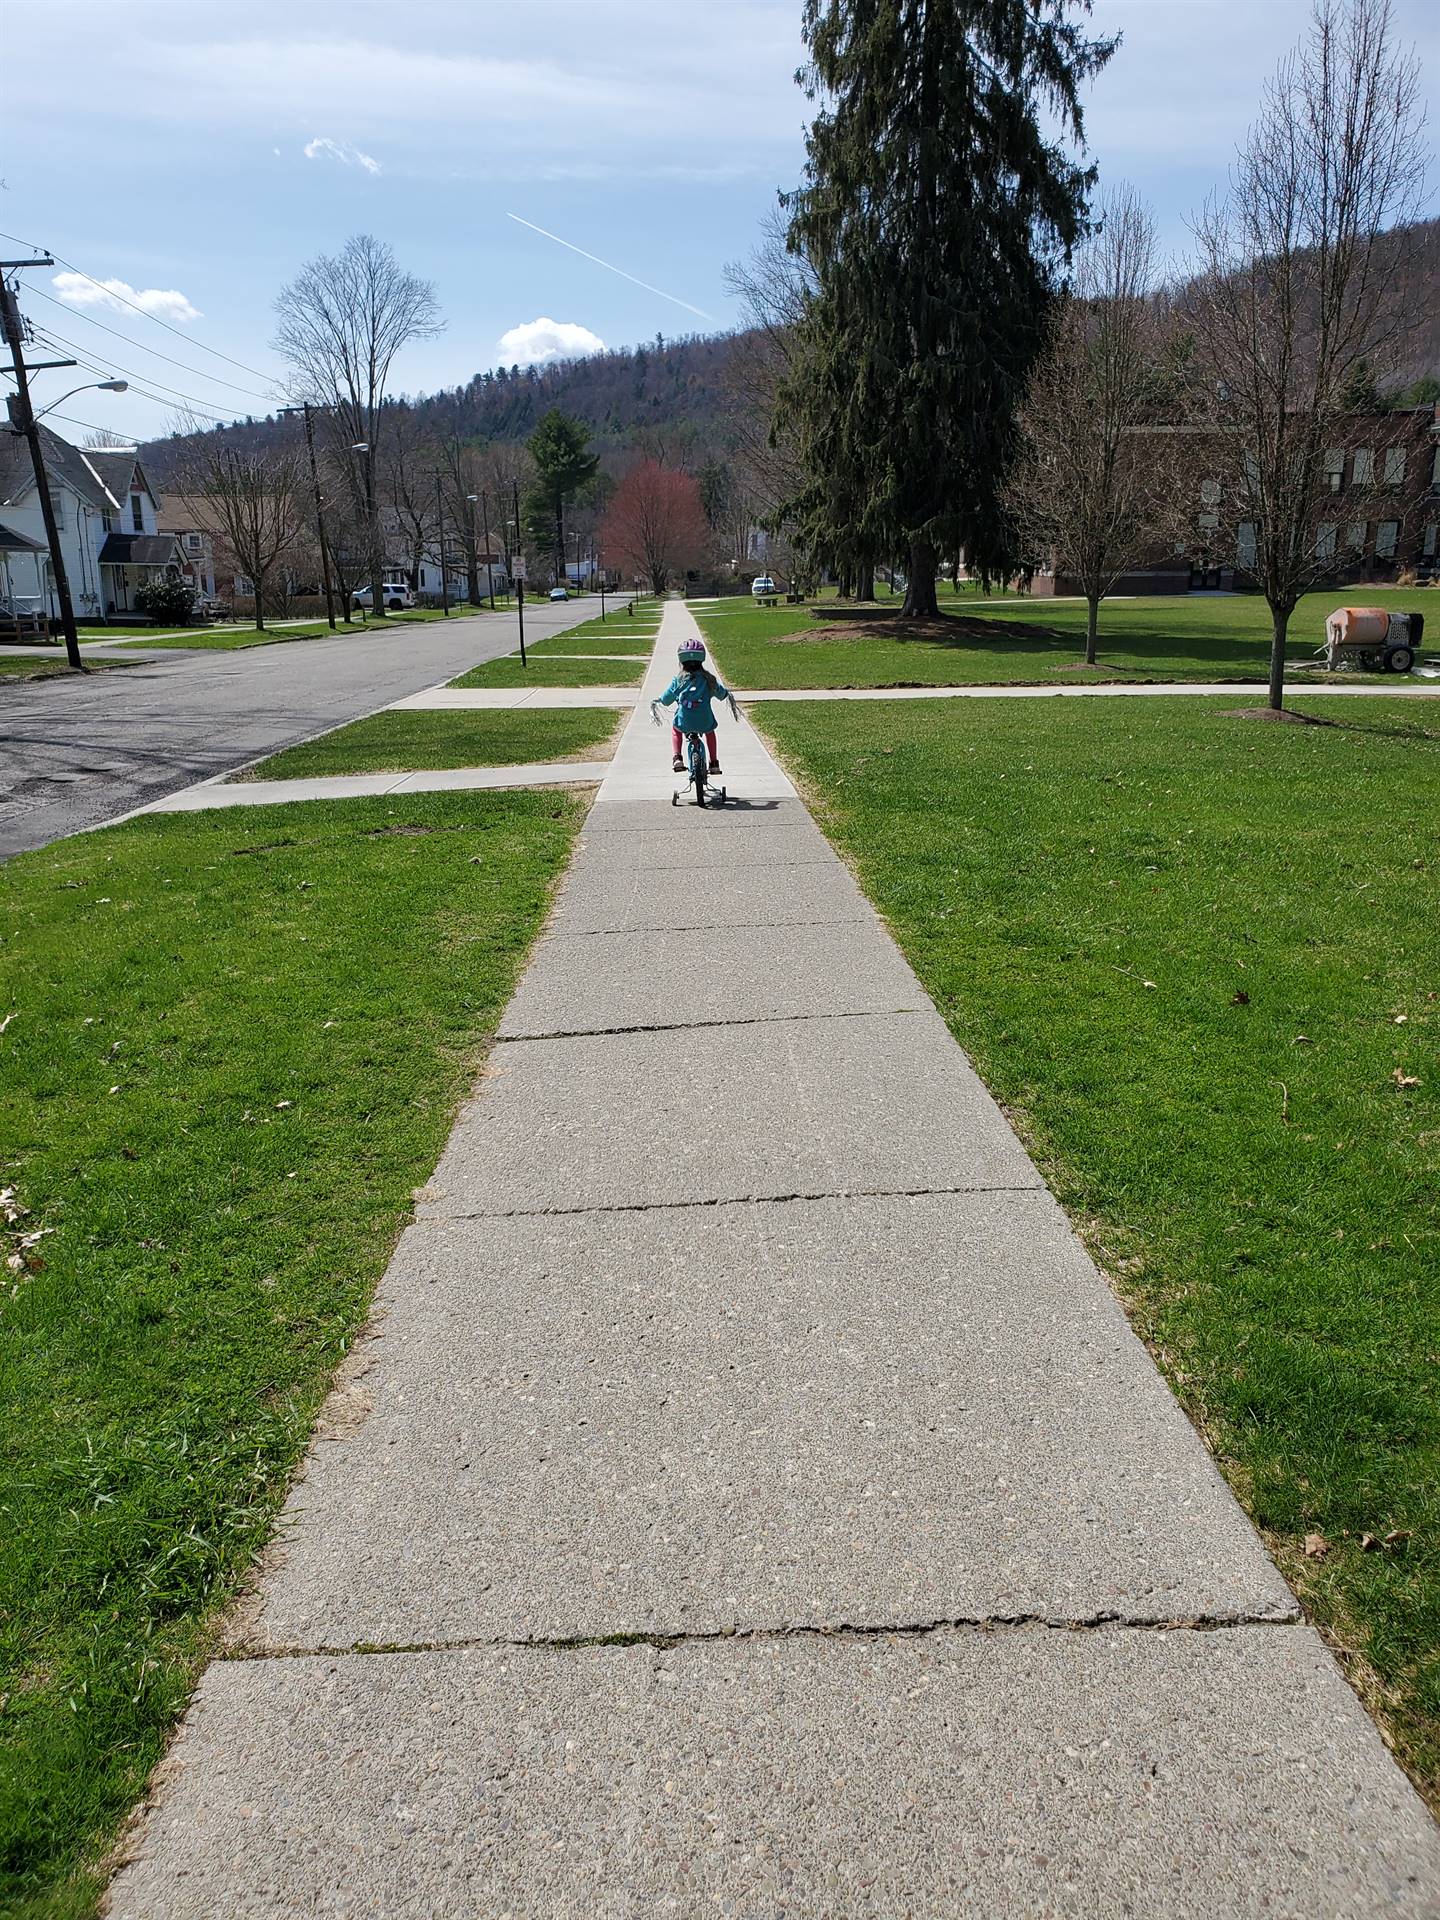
x=949 y=629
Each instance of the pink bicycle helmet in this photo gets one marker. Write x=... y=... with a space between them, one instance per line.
x=692 y=652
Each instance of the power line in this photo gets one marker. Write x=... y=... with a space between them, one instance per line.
x=111 y=294
x=93 y=426
x=154 y=352
x=58 y=340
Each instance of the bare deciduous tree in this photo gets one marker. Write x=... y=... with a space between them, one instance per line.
x=1087 y=485
x=343 y=319
x=254 y=500
x=775 y=287
x=1293 y=304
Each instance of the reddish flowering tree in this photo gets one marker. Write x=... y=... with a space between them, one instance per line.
x=655 y=525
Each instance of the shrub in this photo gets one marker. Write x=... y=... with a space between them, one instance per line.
x=166 y=601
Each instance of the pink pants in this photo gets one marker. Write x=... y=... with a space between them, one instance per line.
x=677 y=742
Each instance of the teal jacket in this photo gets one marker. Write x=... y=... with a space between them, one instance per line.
x=695 y=713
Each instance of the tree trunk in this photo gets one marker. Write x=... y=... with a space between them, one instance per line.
x=865 y=580
x=472 y=579
x=560 y=575
x=920 y=601
x=259 y=586
x=1279 y=627
x=1092 y=627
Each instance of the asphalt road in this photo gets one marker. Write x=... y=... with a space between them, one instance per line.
x=77 y=752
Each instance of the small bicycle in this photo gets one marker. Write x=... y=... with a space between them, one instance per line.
x=697 y=767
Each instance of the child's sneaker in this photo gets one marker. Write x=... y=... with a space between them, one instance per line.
x=715 y=767
x=677 y=765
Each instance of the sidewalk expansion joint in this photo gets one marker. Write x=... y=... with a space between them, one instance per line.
x=714 y=926
x=700 y=1026
x=834 y=1631
x=727 y=1200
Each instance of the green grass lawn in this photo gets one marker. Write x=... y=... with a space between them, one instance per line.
x=229 y=639
x=410 y=740
x=582 y=642
x=553 y=670
x=1194 y=955
x=1187 y=637
x=217 y=1116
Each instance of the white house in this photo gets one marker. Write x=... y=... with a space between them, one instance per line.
x=105 y=514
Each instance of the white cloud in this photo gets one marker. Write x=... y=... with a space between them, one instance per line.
x=537 y=342
x=167 y=302
x=343 y=151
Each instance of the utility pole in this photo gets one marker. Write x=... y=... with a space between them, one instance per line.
x=601 y=565
x=489 y=557
x=306 y=408
x=22 y=417
x=520 y=574
x=440 y=537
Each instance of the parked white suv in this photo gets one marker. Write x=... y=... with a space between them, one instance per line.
x=398 y=596
x=763 y=587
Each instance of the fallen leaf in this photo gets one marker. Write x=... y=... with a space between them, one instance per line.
x=1241 y=999
x=279 y=1104
x=1302 y=1040
x=6 y=1021
x=1316 y=1546
x=1400 y=1020
x=1147 y=983
x=1369 y=1544
x=1403 y=1079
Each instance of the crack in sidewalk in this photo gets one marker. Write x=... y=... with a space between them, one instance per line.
x=663 y=1641
x=699 y=1026
x=431 y=1209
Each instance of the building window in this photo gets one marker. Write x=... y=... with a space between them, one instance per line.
x=1387 y=538
x=1245 y=543
x=1325 y=540
x=1362 y=471
x=1427 y=545
x=107 y=521
x=1355 y=536
x=1334 y=468
x=193 y=543
x=1210 y=493
x=137 y=513
x=1435 y=473
x=1395 y=466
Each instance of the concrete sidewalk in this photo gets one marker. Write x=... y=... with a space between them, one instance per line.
x=751 y=1500
x=210 y=794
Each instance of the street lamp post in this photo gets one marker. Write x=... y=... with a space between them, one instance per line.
x=440 y=537
x=372 y=530
x=306 y=408
x=520 y=575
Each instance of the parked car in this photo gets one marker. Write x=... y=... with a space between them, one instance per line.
x=398 y=596
x=763 y=587
x=559 y=593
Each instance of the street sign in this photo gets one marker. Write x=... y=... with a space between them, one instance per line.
x=518 y=567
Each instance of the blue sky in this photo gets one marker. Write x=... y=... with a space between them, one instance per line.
x=197 y=154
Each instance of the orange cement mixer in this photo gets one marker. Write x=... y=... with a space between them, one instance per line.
x=1372 y=637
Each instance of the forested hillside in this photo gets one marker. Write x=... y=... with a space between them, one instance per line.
x=671 y=397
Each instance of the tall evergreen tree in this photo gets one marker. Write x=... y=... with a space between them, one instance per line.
x=938 y=213
x=560 y=448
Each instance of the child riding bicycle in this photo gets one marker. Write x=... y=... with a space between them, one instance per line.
x=693 y=693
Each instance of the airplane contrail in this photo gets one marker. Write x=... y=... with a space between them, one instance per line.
x=609 y=268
